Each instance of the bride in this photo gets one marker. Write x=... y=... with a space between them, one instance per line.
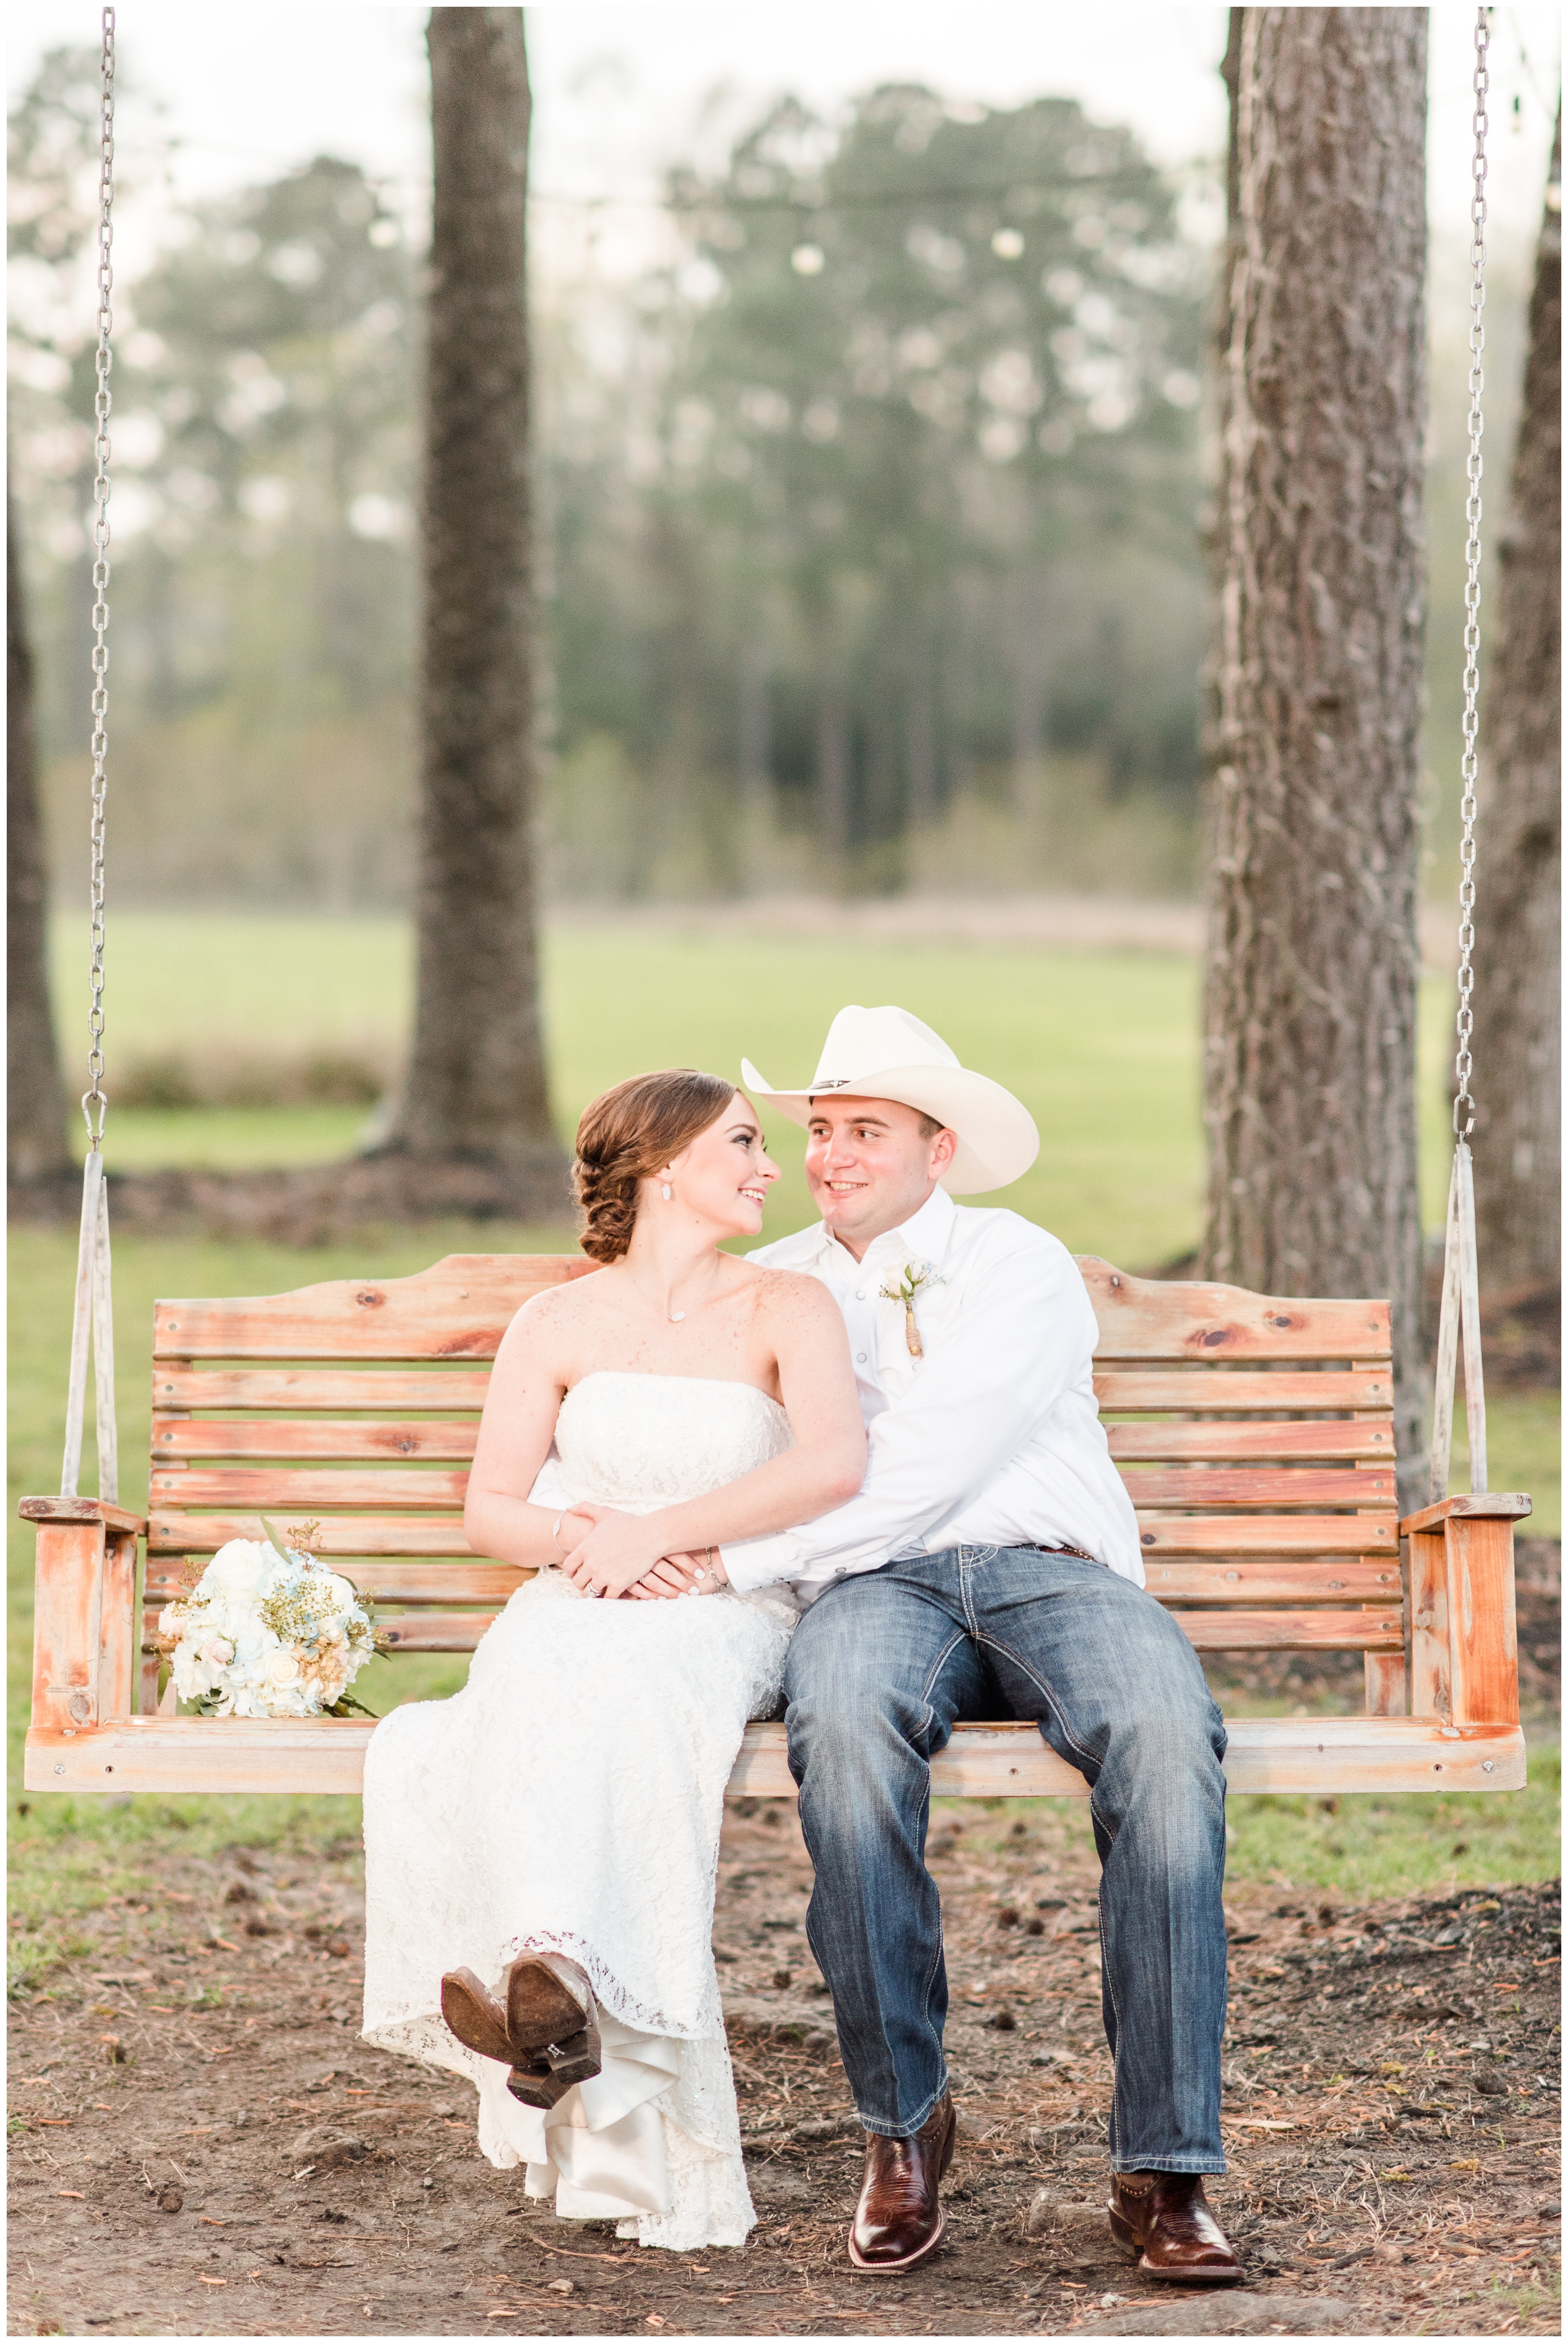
x=541 y=1850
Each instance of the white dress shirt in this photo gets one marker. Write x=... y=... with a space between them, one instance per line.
x=992 y=1437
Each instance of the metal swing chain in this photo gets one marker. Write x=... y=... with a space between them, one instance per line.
x=1464 y=1103
x=94 y=1103
x=92 y=1326
x=1459 y=1321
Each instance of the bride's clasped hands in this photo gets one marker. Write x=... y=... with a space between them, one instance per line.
x=623 y=1556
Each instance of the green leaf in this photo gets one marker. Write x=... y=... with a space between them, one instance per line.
x=275 y=1538
x=347 y=1705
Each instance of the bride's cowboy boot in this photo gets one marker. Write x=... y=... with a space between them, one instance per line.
x=474 y=2015
x=552 y=2030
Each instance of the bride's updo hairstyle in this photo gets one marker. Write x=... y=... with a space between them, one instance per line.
x=628 y=1135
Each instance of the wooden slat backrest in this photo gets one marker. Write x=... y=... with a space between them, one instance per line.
x=1255 y=1436
x=458 y=1309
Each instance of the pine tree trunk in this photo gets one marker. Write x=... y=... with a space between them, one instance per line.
x=1031 y=701
x=1310 y=1001
x=920 y=728
x=1518 y=1079
x=833 y=778
x=35 y=1145
x=477 y=1086
x=755 y=745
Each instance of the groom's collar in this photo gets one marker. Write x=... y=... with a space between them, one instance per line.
x=922 y=1237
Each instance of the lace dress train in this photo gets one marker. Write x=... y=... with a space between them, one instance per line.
x=568 y=1801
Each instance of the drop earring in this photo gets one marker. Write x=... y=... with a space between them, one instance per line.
x=664 y=1192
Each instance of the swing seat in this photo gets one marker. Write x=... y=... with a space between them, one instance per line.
x=1256 y=1437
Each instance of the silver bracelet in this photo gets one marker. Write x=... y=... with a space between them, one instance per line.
x=701 y=1574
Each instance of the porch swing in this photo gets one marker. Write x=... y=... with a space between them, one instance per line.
x=1260 y=1428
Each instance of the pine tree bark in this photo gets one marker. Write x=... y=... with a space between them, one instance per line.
x=1309 y=1069
x=35 y=1148
x=477 y=1089
x=1518 y=1083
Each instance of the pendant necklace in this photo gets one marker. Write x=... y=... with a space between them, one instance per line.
x=675 y=1317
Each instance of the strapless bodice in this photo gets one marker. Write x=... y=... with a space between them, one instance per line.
x=642 y=1441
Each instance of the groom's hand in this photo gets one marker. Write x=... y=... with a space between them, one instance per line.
x=682 y=1573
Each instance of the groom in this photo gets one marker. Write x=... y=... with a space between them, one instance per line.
x=989 y=1563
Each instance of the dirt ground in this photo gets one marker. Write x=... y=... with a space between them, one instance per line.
x=201 y=2144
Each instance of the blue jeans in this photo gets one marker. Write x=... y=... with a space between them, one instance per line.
x=881 y=1668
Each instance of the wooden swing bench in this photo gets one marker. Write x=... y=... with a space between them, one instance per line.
x=1256 y=1436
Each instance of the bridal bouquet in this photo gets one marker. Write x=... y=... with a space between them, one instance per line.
x=267 y=1631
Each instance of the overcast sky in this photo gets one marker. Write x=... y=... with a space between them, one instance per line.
x=248 y=90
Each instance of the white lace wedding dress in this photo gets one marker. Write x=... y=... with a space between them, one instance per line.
x=569 y=1800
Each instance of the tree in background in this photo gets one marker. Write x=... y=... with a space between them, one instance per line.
x=265 y=448
x=936 y=362
x=1518 y=931
x=477 y=1089
x=265 y=443
x=824 y=555
x=732 y=453
x=1309 y=1069
x=34 y=1094
x=52 y=145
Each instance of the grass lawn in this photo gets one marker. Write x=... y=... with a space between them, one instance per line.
x=1100 y=1045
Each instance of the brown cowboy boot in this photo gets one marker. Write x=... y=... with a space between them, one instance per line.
x=553 y=2031
x=900 y=2216
x=1163 y=2221
x=556 y=2049
x=474 y=2015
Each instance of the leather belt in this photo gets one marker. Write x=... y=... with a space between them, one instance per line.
x=1083 y=1555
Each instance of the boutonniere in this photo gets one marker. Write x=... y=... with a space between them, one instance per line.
x=917 y=1274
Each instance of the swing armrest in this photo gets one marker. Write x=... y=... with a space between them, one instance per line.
x=82 y=1509
x=84 y=1611
x=1478 y=1505
x=1463 y=1640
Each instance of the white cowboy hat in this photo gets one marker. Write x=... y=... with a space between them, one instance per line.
x=886 y=1053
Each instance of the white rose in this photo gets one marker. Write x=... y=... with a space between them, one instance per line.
x=283 y=1668
x=217 y=1650
x=240 y=1570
